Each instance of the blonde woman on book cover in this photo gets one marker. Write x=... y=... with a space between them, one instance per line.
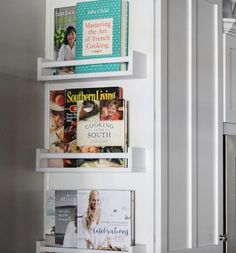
x=92 y=222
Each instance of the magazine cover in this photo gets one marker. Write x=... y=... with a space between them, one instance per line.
x=72 y=96
x=50 y=218
x=103 y=29
x=57 y=143
x=101 y=127
x=66 y=218
x=64 y=37
x=56 y=121
x=105 y=219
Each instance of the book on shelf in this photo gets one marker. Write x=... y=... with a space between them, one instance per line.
x=95 y=219
x=63 y=123
x=56 y=129
x=64 y=37
x=50 y=218
x=65 y=218
x=102 y=128
x=56 y=125
x=102 y=28
x=106 y=219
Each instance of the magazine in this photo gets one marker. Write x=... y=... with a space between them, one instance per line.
x=72 y=96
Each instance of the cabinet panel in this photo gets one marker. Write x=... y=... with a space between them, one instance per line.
x=233 y=80
x=207 y=127
x=230 y=78
x=194 y=126
x=178 y=139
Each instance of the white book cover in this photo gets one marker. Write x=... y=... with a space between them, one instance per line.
x=105 y=219
x=102 y=128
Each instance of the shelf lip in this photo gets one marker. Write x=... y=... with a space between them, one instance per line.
x=40 y=246
x=85 y=76
x=135 y=160
x=229 y=128
x=229 y=26
x=136 y=68
x=86 y=170
x=46 y=63
x=45 y=154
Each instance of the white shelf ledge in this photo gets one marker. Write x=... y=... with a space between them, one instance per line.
x=136 y=63
x=229 y=26
x=40 y=247
x=135 y=158
x=229 y=128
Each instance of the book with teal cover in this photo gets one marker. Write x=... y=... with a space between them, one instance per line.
x=99 y=33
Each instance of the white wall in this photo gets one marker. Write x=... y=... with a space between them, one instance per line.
x=21 y=110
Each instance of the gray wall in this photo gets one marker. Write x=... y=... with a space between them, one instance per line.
x=22 y=27
x=21 y=124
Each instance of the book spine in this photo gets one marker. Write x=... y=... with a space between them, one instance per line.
x=132 y=218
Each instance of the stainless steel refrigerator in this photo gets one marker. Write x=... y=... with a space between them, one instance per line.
x=229 y=236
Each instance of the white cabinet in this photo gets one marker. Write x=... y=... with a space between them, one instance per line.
x=229 y=38
x=192 y=168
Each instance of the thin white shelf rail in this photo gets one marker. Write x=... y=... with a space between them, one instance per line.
x=229 y=26
x=136 y=68
x=40 y=247
x=135 y=157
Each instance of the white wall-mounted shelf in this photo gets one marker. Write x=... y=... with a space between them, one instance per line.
x=229 y=128
x=136 y=63
x=229 y=26
x=135 y=157
x=40 y=247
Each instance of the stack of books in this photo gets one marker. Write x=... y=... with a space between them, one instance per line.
x=91 y=219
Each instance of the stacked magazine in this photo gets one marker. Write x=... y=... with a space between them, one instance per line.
x=88 y=120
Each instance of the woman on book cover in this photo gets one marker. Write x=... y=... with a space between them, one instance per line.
x=67 y=50
x=110 y=111
x=92 y=222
